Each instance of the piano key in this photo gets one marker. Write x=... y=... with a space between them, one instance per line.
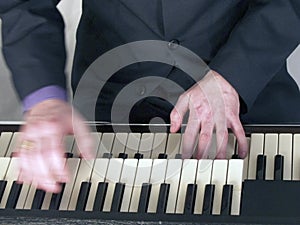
x=2 y=187
x=203 y=178
x=127 y=177
x=226 y=199
x=163 y=198
x=68 y=143
x=162 y=156
x=246 y=162
x=157 y=177
x=14 y=195
x=296 y=157
x=100 y=196
x=105 y=145
x=73 y=165
x=56 y=199
x=173 y=145
x=138 y=156
x=112 y=177
x=123 y=155
x=173 y=177
x=4 y=162
x=235 y=178
x=218 y=178
x=188 y=175
x=270 y=150
x=143 y=173
x=83 y=196
x=146 y=145
x=38 y=199
x=190 y=197
x=10 y=176
x=256 y=148
x=4 y=142
x=261 y=167
x=208 y=199
x=119 y=144
x=132 y=145
x=230 y=149
x=83 y=175
x=212 y=151
x=118 y=197
x=96 y=137
x=144 y=198
x=285 y=148
x=98 y=176
x=13 y=144
x=278 y=167
x=159 y=144
x=28 y=196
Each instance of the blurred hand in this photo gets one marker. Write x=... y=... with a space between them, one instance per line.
x=213 y=104
x=41 y=148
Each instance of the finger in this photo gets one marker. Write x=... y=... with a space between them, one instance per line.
x=178 y=112
x=190 y=135
x=205 y=138
x=239 y=132
x=222 y=140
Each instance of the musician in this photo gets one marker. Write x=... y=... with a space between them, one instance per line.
x=245 y=43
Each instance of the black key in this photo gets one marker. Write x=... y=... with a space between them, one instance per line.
x=68 y=155
x=100 y=196
x=162 y=156
x=38 y=199
x=178 y=156
x=14 y=195
x=2 y=188
x=163 y=198
x=208 y=199
x=190 y=199
x=261 y=167
x=144 y=198
x=56 y=198
x=278 y=167
x=118 y=197
x=123 y=155
x=107 y=155
x=138 y=156
x=226 y=199
x=83 y=196
x=235 y=156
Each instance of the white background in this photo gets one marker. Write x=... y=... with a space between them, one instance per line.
x=10 y=109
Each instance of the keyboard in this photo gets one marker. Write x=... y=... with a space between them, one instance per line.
x=141 y=177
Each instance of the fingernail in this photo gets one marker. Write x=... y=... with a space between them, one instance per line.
x=243 y=154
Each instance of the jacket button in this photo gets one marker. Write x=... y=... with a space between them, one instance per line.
x=173 y=44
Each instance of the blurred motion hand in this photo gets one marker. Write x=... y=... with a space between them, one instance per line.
x=41 y=147
x=213 y=104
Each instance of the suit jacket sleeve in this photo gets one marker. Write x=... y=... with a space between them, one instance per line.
x=258 y=46
x=33 y=43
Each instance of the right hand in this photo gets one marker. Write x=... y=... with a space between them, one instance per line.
x=46 y=124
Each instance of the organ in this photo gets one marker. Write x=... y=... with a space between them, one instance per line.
x=141 y=177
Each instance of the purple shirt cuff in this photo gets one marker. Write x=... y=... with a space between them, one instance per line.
x=48 y=92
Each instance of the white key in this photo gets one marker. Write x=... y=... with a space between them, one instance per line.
x=127 y=178
x=119 y=144
x=173 y=178
x=188 y=175
x=83 y=175
x=96 y=137
x=296 y=157
x=98 y=175
x=246 y=162
x=13 y=144
x=203 y=177
x=285 y=149
x=212 y=152
x=146 y=144
x=158 y=174
x=230 y=149
x=105 y=144
x=218 y=178
x=73 y=165
x=159 y=144
x=112 y=177
x=11 y=175
x=142 y=176
x=132 y=145
x=4 y=142
x=31 y=189
x=270 y=150
x=235 y=178
x=173 y=145
x=256 y=148
x=4 y=163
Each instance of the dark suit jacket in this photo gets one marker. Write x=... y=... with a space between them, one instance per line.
x=245 y=41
